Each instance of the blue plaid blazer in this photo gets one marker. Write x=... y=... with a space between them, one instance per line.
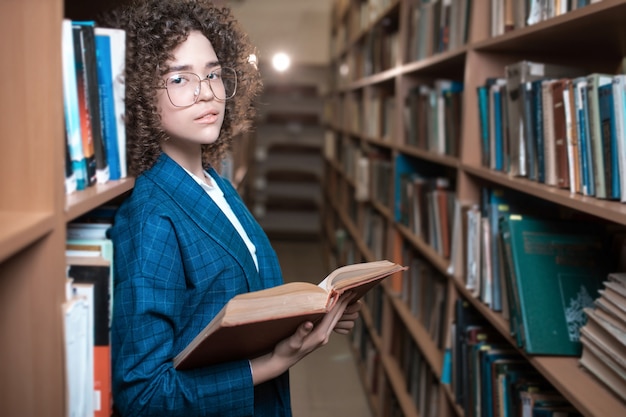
x=178 y=260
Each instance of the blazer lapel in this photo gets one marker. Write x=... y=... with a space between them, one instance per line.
x=269 y=268
x=203 y=211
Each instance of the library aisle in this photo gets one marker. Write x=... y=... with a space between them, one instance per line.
x=326 y=383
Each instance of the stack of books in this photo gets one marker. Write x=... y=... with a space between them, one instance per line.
x=604 y=336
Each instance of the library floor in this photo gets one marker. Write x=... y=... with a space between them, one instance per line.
x=325 y=383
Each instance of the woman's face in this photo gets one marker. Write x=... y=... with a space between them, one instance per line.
x=191 y=124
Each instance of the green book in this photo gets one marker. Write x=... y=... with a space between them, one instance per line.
x=557 y=268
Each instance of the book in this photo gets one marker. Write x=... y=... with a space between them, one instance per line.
x=78 y=349
x=557 y=269
x=586 y=157
x=619 y=105
x=517 y=75
x=602 y=367
x=595 y=139
x=89 y=101
x=96 y=270
x=117 y=39
x=251 y=324
x=107 y=104
x=70 y=107
x=609 y=140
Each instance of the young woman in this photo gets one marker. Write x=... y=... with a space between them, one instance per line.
x=184 y=241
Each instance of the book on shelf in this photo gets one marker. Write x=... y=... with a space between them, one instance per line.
x=78 y=322
x=118 y=62
x=251 y=324
x=96 y=270
x=588 y=186
x=571 y=137
x=602 y=354
x=555 y=269
x=517 y=75
x=597 y=147
x=607 y=113
x=102 y=46
x=89 y=102
x=70 y=107
x=619 y=107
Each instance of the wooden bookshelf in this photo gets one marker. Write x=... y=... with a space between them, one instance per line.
x=590 y=37
x=34 y=208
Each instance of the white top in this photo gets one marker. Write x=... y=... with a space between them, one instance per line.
x=217 y=195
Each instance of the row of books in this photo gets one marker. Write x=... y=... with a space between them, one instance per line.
x=508 y=15
x=489 y=378
x=437 y=26
x=558 y=126
x=93 y=61
x=433 y=117
x=89 y=259
x=537 y=266
x=423 y=289
x=604 y=336
x=424 y=202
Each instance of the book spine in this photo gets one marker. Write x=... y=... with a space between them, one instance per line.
x=609 y=145
x=107 y=104
x=595 y=135
x=560 y=132
x=71 y=109
x=619 y=103
x=83 y=108
x=92 y=97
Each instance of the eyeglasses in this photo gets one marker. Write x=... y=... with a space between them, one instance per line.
x=183 y=88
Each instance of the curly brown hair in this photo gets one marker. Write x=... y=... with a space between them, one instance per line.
x=154 y=28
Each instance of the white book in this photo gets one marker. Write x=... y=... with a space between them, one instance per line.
x=77 y=335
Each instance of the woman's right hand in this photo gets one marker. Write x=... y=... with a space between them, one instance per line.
x=305 y=340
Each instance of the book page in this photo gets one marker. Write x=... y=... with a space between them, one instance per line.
x=350 y=276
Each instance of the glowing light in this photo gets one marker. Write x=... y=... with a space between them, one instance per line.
x=281 y=61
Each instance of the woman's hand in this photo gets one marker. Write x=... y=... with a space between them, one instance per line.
x=305 y=340
x=346 y=322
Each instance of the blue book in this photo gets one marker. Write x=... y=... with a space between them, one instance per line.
x=483 y=114
x=609 y=140
x=497 y=117
x=107 y=104
x=619 y=106
x=580 y=97
x=71 y=110
x=488 y=359
x=557 y=269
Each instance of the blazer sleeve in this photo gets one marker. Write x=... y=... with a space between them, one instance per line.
x=149 y=284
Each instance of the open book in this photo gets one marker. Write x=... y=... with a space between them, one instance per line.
x=251 y=324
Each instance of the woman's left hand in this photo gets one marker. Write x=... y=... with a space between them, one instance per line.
x=346 y=322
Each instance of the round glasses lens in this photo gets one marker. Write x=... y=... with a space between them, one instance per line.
x=183 y=88
x=223 y=83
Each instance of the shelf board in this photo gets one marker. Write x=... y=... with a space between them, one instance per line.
x=81 y=202
x=606 y=209
x=564 y=372
x=419 y=334
x=578 y=386
x=18 y=230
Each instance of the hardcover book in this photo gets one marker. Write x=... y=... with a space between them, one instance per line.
x=556 y=270
x=251 y=324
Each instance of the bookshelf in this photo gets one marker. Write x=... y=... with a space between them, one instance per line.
x=34 y=209
x=589 y=37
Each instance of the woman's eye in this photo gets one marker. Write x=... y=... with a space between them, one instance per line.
x=214 y=75
x=177 y=80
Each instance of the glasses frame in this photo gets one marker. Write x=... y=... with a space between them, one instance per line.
x=163 y=86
